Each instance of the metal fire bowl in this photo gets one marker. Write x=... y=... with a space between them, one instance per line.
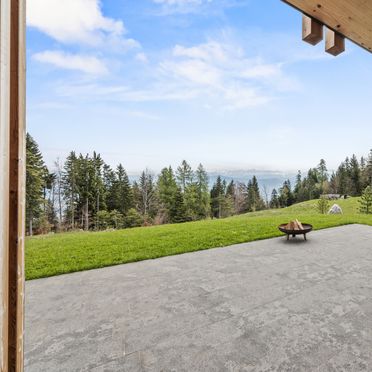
x=307 y=228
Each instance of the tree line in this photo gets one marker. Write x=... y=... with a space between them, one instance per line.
x=84 y=192
x=351 y=178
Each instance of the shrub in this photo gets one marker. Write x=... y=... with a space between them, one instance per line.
x=103 y=220
x=116 y=219
x=133 y=219
x=323 y=205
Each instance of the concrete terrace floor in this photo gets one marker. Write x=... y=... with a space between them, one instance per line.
x=270 y=305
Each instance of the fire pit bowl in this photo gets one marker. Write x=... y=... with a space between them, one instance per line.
x=306 y=229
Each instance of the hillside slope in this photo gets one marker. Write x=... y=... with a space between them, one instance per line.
x=69 y=252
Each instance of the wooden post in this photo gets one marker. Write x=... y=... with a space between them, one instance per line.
x=4 y=178
x=312 y=30
x=335 y=43
x=12 y=183
x=17 y=184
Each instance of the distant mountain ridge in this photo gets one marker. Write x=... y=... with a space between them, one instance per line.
x=269 y=179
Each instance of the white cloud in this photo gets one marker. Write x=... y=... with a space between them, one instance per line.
x=142 y=57
x=220 y=74
x=86 y=64
x=193 y=71
x=206 y=52
x=180 y=2
x=221 y=71
x=216 y=74
x=181 y=6
x=77 y=21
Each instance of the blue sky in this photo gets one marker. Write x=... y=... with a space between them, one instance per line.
x=228 y=83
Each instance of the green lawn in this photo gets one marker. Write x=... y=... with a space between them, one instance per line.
x=64 y=253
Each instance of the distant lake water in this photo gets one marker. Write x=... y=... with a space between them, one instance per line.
x=269 y=179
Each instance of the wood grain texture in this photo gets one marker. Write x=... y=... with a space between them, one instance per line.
x=335 y=43
x=350 y=18
x=16 y=186
x=4 y=179
x=312 y=30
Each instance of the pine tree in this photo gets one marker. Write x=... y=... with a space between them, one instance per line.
x=167 y=190
x=35 y=180
x=202 y=193
x=368 y=170
x=298 y=190
x=254 y=200
x=323 y=171
x=217 y=198
x=274 y=202
x=178 y=209
x=69 y=186
x=286 y=198
x=185 y=175
x=366 y=201
x=355 y=177
x=109 y=180
x=98 y=188
x=228 y=203
x=85 y=181
x=230 y=190
x=189 y=188
x=122 y=191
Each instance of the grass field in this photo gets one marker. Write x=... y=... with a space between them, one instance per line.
x=64 y=253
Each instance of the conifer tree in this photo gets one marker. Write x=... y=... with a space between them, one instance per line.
x=323 y=171
x=355 y=177
x=123 y=194
x=69 y=185
x=177 y=210
x=366 y=201
x=202 y=193
x=217 y=198
x=109 y=180
x=286 y=198
x=368 y=170
x=254 y=200
x=274 y=202
x=35 y=181
x=167 y=190
x=185 y=175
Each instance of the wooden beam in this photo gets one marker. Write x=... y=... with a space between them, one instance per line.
x=4 y=178
x=312 y=30
x=17 y=185
x=335 y=43
x=350 y=18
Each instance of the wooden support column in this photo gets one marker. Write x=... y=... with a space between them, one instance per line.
x=4 y=178
x=335 y=43
x=312 y=30
x=12 y=183
x=17 y=184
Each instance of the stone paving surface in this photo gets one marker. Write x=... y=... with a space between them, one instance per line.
x=270 y=305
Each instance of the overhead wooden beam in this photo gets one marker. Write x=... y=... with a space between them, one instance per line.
x=335 y=43
x=350 y=18
x=312 y=30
